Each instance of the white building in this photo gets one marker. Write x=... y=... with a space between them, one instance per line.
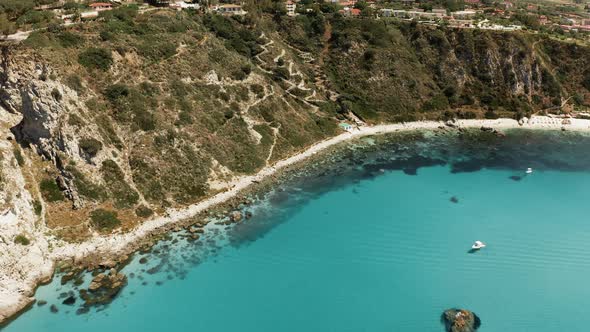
x=464 y=14
x=291 y=7
x=183 y=5
x=230 y=9
x=411 y=14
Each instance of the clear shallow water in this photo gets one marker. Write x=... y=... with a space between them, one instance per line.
x=382 y=253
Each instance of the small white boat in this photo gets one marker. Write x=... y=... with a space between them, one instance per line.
x=529 y=170
x=478 y=245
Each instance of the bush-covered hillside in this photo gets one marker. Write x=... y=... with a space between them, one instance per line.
x=140 y=112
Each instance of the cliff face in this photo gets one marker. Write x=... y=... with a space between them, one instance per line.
x=141 y=113
x=160 y=125
x=393 y=71
x=138 y=113
x=22 y=265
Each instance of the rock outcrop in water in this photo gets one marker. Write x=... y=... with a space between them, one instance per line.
x=103 y=288
x=460 y=320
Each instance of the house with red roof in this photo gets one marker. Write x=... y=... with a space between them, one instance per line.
x=350 y=12
x=347 y=3
x=101 y=6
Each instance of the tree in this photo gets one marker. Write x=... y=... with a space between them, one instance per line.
x=15 y=8
x=96 y=58
x=6 y=27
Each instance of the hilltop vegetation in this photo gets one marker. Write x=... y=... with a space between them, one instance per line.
x=140 y=112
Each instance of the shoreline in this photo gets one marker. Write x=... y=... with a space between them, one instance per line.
x=123 y=244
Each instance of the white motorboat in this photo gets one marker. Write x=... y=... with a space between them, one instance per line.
x=478 y=245
x=529 y=170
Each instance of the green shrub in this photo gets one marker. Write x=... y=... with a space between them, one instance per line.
x=22 y=240
x=106 y=35
x=257 y=89
x=18 y=156
x=74 y=82
x=145 y=120
x=38 y=39
x=85 y=187
x=149 y=89
x=238 y=38
x=184 y=118
x=467 y=115
x=35 y=17
x=75 y=120
x=50 y=191
x=104 y=220
x=491 y=115
x=144 y=211
x=238 y=75
x=37 y=207
x=68 y=39
x=436 y=103
x=96 y=58
x=157 y=51
x=280 y=73
x=56 y=94
x=114 y=178
x=90 y=146
x=116 y=91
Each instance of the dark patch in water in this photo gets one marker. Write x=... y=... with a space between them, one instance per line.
x=466 y=166
x=82 y=311
x=472 y=251
x=409 y=165
x=515 y=178
x=69 y=301
x=454 y=199
x=410 y=171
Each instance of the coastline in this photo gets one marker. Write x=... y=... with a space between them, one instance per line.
x=15 y=301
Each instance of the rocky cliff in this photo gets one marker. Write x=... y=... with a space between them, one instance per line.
x=138 y=113
x=389 y=71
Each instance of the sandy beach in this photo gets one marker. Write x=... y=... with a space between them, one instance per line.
x=15 y=294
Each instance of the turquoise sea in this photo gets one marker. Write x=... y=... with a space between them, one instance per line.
x=369 y=240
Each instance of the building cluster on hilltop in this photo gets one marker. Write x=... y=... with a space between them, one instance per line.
x=480 y=14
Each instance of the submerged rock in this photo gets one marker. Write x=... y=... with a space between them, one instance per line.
x=53 y=308
x=69 y=301
x=235 y=216
x=454 y=199
x=41 y=303
x=460 y=320
x=515 y=178
x=82 y=310
x=67 y=277
x=103 y=288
